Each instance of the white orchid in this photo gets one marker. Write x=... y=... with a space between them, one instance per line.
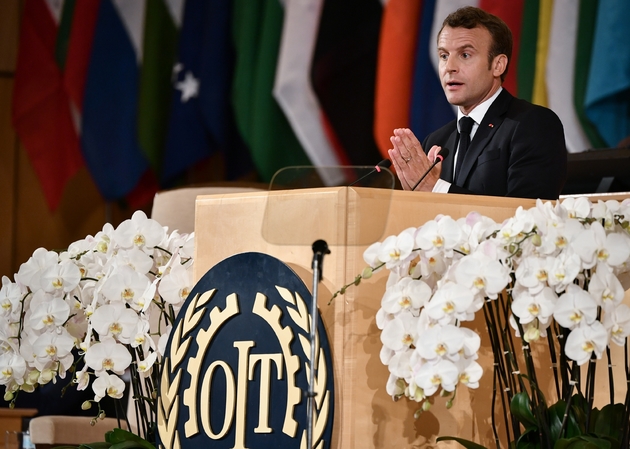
x=140 y=232
x=439 y=235
x=575 y=308
x=94 y=302
x=617 y=323
x=529 y=307
x=178 y=282
x=108 y=355
x=115 y=320
x=595 y=246
x=566 y=264
x=396 y=250
x=406 y=294
x=30 y=272
x=450 y=302
x=431 y=376
x=441 y=342
x=108 y=385
x=583 y=341
x=399 y=333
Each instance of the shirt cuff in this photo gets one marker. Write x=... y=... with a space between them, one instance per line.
x=441 y=186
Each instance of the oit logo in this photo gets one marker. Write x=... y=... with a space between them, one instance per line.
x=236 y=367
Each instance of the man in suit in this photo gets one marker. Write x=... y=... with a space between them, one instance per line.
x=515 y=148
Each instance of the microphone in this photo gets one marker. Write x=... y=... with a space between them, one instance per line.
x=438 y=158
x=385 y=163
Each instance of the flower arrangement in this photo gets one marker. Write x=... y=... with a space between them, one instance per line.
x=106 y=304
x=553 y=276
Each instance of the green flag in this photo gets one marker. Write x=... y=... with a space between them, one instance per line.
x=257 y=28
x=159 y=52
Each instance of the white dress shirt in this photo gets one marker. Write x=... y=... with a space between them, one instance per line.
x=477 y=115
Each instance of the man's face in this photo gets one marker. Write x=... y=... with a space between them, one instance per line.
x=466 y=76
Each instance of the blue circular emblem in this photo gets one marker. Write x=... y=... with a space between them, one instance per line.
x=236 y=366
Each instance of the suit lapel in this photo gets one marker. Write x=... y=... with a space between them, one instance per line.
x=489 y=125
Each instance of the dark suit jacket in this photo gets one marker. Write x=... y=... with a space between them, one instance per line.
x=518 y=151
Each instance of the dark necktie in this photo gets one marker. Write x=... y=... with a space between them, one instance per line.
x=465 y=126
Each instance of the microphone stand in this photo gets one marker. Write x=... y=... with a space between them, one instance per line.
x=320 y=248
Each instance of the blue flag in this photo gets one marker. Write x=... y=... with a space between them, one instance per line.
x=109 y=134
x=607 y=100
x=429 y=108
x=201 y=119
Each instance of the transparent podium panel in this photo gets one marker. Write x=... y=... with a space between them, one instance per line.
x=302 y=206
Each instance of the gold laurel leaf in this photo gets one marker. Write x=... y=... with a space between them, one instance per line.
x=191 y=324
x=298 y=319
x=322 y=377
x=306 y=346
x=181 y=352
x=207 y=296
x=286 y=294
x=301 y=304
x=171 y=394
x=320 y=424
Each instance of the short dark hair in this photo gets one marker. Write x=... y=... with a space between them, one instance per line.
x=470 y=17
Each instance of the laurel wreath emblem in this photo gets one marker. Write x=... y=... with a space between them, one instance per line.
x=168 y=406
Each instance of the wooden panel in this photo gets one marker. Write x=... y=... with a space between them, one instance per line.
x=7 y=179
x=82 y=212
x=9 y=34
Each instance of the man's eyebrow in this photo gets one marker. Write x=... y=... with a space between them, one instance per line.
x=462 y=48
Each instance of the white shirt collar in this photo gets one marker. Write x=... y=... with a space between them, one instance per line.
x=480 y=110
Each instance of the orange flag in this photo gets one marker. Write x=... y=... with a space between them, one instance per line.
x=394 y=72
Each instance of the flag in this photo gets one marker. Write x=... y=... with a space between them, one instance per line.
x=607 y=99
x=41 y=109
x=79 y=51
x=257 y=28
x=512 y=14
x=343 y=74
x=294 y=92
x=162 y=21
x=539 y=93
x=526 y=68
x=109 y=134
x=584 y=47
x=394 y=73
x=429 y=108
x=561 y=71
x=201 y=121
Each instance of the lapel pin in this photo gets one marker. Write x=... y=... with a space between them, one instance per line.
x=490 y=125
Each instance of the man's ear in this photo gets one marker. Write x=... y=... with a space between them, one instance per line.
x=499 y=64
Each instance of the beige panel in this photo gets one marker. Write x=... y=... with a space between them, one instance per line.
x=365 y=415
x=9 y=34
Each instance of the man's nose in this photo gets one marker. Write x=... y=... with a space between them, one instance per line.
x=450 y=65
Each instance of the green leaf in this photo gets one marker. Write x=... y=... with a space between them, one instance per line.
x=123 y=439
x=609 y=421
x=96 y=445
x=556 y=415
x=466 y=443
x=582 y=442
x=519 y=407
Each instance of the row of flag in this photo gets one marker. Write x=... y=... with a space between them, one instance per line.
x=138 y=91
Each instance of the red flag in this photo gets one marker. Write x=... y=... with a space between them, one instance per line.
x=41 y=108
x=79 y=49
x=512 y=14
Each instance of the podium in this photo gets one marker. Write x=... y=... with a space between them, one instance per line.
x=284 y=224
